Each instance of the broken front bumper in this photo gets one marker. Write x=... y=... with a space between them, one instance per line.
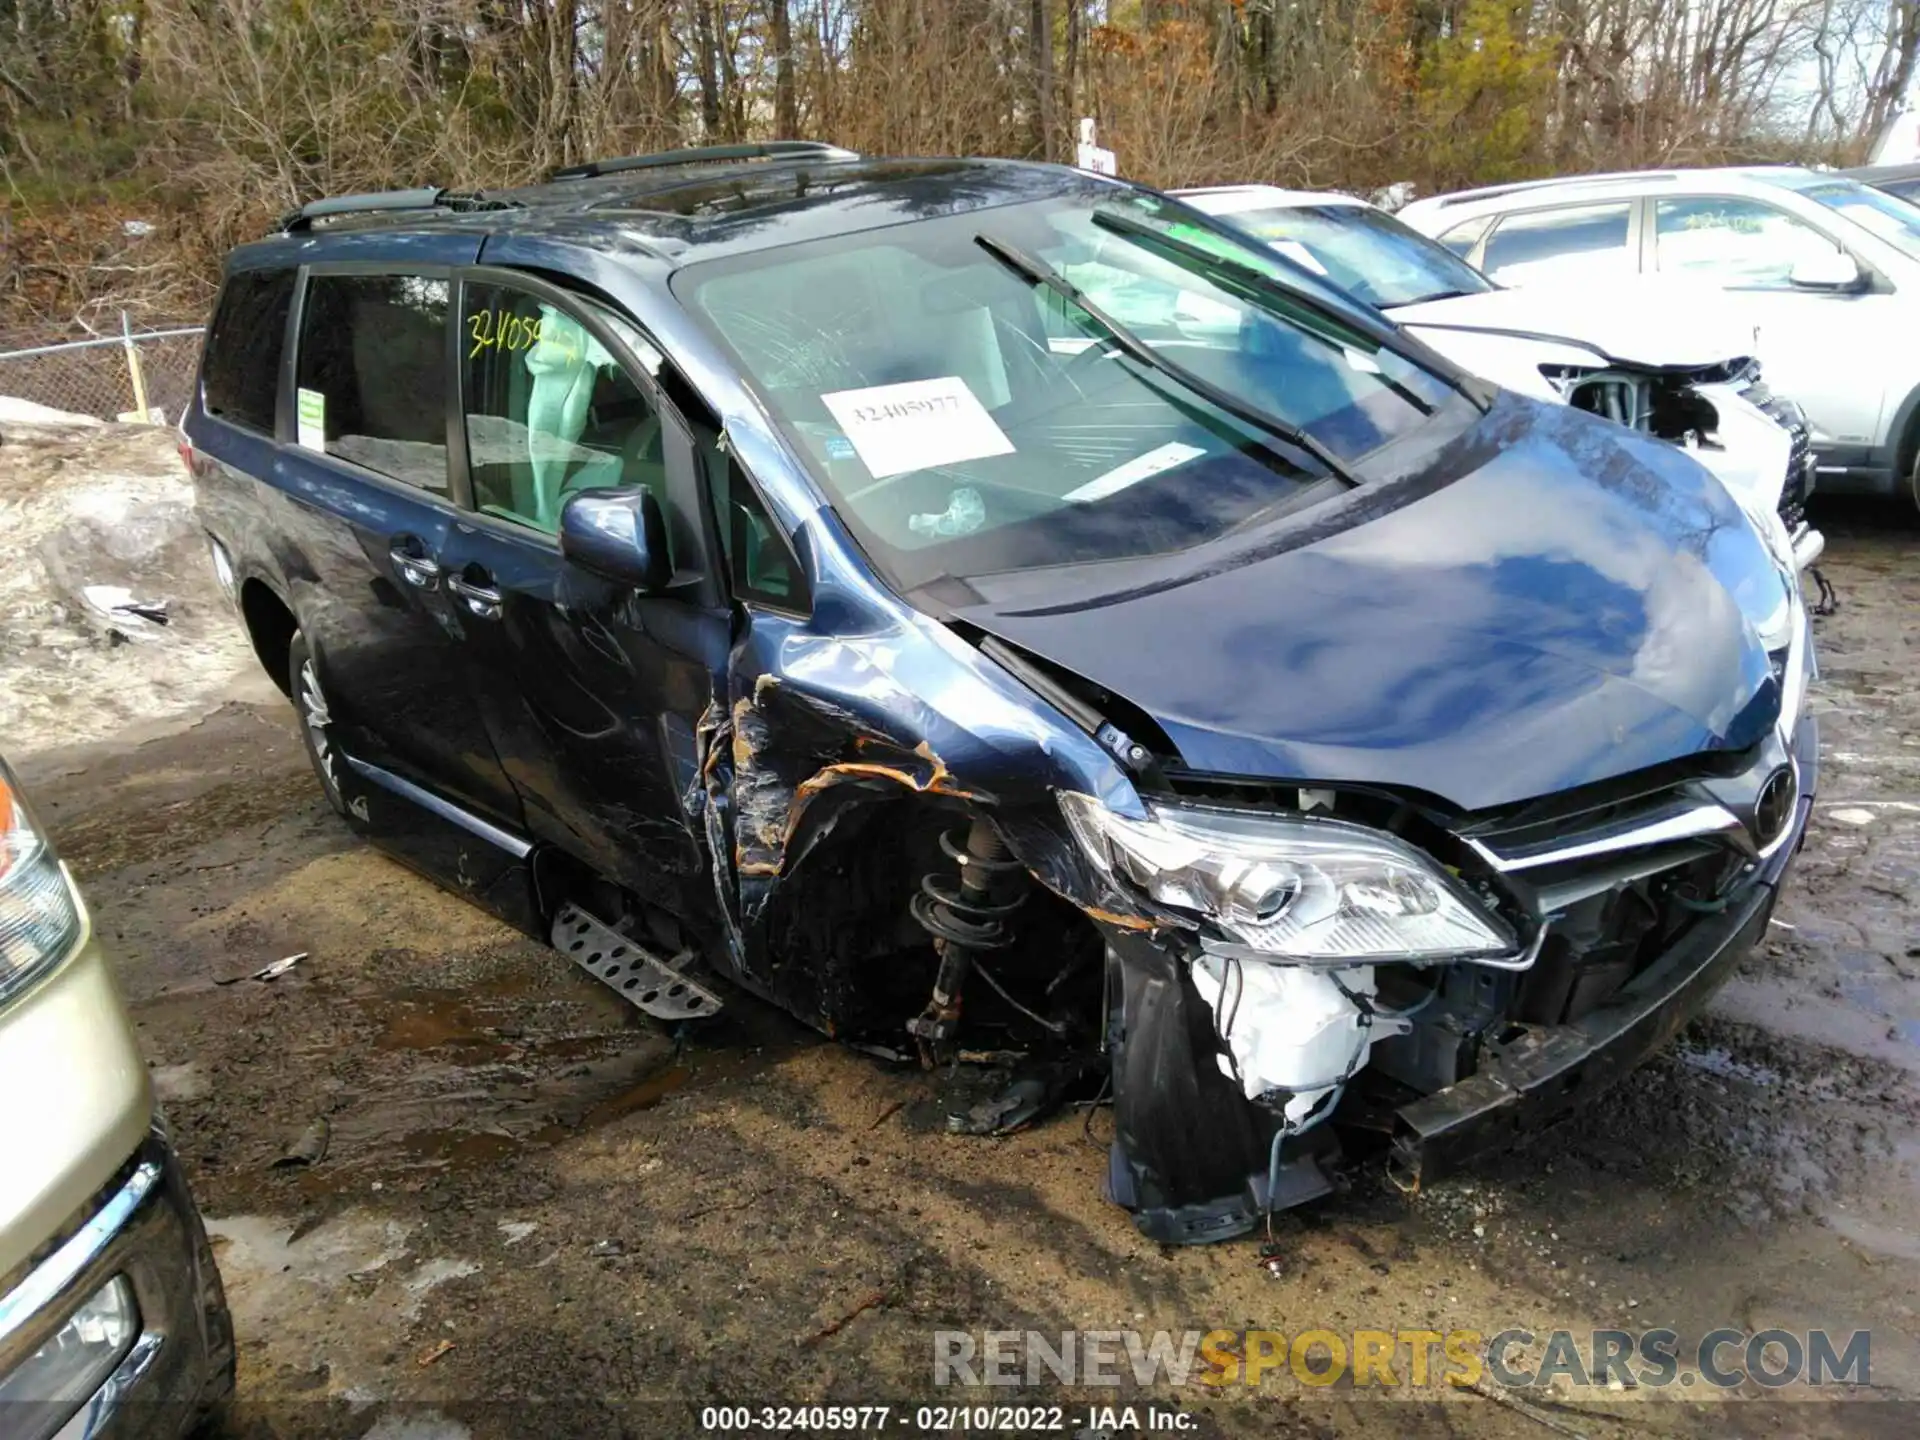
x=1535 y=1074
x=1191 y=1156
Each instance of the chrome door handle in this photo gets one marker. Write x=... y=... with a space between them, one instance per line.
x=419 y=571
x=483 y=600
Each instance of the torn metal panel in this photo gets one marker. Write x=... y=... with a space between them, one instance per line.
x=870 y=728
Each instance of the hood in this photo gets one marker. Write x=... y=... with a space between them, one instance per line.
x=1556 y=601
x=1637 y=323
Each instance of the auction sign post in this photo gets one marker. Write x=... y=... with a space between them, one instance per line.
x=1089 y=156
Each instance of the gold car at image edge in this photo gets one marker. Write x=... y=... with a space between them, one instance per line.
x=112 y=1318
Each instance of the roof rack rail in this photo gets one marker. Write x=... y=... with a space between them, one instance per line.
x=705 y=155
x=1494 y=192
x=425 y=197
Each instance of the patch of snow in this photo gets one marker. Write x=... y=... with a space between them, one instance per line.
x=416 y=1425
x=106 y=511
x=15 y=411
x=430 y=1276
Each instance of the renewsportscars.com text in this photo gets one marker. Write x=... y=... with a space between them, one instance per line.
x=1390 y=1359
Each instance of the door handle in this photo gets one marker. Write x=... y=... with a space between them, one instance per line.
x=482 y=600
x=416 y=567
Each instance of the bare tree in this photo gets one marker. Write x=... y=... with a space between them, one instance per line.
x=218 y=114
x=786 y=117
x=1040 y=65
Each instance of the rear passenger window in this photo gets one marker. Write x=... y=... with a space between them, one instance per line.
x=549 y=411
x=373 y=374
x=1574 y=243
x=241 y=377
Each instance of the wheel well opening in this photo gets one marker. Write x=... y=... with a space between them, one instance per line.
x=271 y=627
x=1908 y=455
x=850 y=950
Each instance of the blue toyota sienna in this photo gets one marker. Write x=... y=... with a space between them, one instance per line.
x=987 y=607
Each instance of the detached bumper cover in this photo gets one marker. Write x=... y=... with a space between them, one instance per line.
x=180 y=1366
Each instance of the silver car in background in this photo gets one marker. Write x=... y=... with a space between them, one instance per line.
x=1824 y=270
x=1677 y=367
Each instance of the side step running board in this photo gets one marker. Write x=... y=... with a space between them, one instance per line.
x=629 y=971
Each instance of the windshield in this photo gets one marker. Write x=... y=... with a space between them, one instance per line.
x=966 y=417
x=1895 y=221
x=1366 y=252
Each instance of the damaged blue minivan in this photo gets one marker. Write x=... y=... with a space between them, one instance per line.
x=987 y=607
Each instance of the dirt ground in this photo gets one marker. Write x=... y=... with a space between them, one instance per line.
x=540 y=1213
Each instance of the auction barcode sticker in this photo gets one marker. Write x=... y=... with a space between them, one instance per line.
x=897 y=428
x=311 y=420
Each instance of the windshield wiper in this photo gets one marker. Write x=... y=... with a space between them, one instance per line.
x=1038 y=272
x=1228 y=273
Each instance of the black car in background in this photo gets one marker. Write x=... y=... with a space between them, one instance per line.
x=1901 y=180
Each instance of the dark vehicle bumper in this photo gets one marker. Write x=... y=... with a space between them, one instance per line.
x=179 y=1366
x=1536 y=1075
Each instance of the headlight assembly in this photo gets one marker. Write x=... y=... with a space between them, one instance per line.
x=39 y=918
x=1292 y=889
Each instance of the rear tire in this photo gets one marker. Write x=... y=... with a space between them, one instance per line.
x=316 y=723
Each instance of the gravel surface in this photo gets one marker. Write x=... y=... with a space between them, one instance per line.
x=540 y=1213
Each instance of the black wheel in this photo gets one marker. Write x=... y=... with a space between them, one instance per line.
x=316 y=724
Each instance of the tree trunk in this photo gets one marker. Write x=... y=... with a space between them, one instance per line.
x=707 y=54
x=1040 y=64
x=786 y=117
x=1894 y=76
x=1070 y=81
x=733 y=100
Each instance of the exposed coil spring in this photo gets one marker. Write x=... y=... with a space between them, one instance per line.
x=963 y=911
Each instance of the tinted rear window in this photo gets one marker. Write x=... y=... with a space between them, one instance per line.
x=373 y=373
x=242 y=372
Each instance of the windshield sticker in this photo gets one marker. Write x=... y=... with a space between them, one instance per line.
x=839 y=448
x=897 y=428
x=1135 y=470
x=311 y=415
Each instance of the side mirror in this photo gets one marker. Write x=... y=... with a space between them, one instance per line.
x=619 y=535
x=1830 y=270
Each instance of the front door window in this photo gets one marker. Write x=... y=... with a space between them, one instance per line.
x=1734 y=243
x=549 y=412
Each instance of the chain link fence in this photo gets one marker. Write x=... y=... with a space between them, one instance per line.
x=107 y=377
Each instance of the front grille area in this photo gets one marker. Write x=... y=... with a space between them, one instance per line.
x=1620 y=880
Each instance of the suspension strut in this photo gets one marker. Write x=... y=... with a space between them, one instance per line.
x=964 y=918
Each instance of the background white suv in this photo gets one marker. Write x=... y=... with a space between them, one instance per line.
x=1826 y=270
x=1680 y=371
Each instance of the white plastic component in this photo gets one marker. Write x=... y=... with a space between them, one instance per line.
x=1291 y=1028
